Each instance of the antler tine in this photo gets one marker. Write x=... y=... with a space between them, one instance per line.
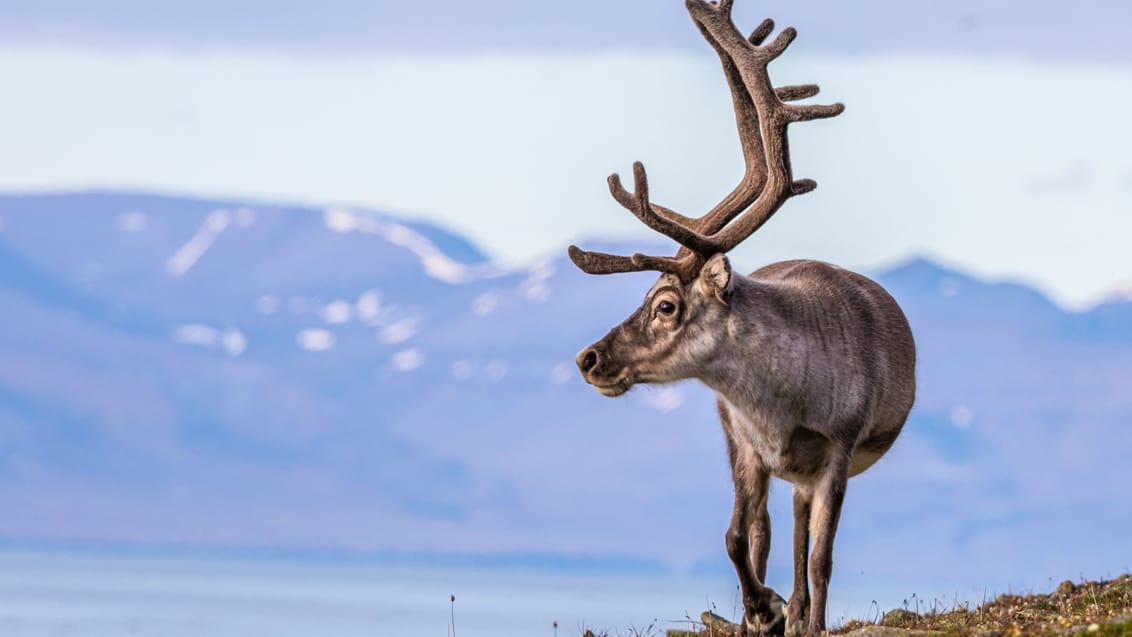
x=684 y=267
x=761 y=32
x=630 y=201
x=750 y=135
x=638 y=203
x=777 y=46
x=750 y=139
x=627 y=200
x=762 y=116
x=747 y=120
x=795 y=93
x=600 y=262
x=809 y=112
x=748 y=58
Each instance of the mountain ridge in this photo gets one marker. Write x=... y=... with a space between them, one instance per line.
x=319 y=387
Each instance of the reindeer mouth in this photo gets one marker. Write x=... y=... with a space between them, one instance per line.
x=613 y=389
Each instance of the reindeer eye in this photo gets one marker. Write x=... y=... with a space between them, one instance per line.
x=666 y=307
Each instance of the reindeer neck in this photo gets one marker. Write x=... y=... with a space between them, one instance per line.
x=762 y=356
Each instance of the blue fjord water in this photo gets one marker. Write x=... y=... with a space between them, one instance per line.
x=114 y=596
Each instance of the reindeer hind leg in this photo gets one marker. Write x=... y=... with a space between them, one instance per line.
x=829 y=494
x=798 y=608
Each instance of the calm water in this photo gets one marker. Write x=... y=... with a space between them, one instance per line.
x=120 y=596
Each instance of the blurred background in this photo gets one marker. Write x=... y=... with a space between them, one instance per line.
x=288 y=329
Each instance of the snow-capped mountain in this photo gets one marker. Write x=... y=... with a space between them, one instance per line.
x=176 y=371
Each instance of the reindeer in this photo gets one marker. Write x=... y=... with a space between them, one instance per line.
x=813 y=366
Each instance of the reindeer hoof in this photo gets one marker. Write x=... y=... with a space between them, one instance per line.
x=796 y=620
x=774 y=624
x=796 y=627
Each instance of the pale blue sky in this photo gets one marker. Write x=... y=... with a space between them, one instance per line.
x=1094 y=29
x=991 y=139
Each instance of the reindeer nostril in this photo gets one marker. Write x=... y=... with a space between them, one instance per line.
x=589 y=361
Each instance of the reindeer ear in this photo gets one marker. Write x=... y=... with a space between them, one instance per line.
x=715 y=278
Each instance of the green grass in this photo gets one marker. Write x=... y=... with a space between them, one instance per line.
x=1087 y=609
x=1102 y=608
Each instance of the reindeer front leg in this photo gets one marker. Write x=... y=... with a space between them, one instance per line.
x=748 y=545
x=829 y=493
x=748 y=536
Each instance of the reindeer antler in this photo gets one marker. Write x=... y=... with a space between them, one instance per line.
x=762 y=116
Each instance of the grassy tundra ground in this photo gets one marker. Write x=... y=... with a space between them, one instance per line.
x=1101 y=609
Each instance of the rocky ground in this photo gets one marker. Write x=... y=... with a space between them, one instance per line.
x=1102 y=608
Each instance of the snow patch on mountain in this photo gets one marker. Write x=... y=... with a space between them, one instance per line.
x=368 y=307
x=231 y=341
x=399 y=331
x=962 y=416
x=133 y=221
x=234 y=342
x=949 y=287
x=496 y=370
x=407 y=360
x=1122 y=291
x=664 y=399
x=485 y=304
x=435 y=263
x=315 y=339
x=244 y=217
x=267 y=304
x=561 y=373
x=196 y=334
x=187 y=255
x=536 y=288
x=338 y=312
x=461 y=370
